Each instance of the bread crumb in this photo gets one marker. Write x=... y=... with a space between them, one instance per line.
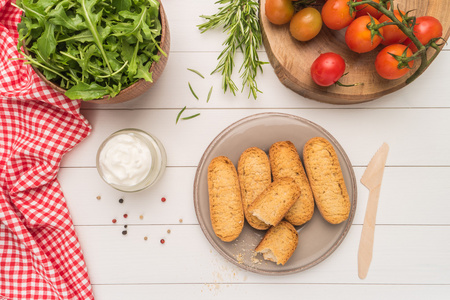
x=254 y=258
x=240 y=258
x=99 y=197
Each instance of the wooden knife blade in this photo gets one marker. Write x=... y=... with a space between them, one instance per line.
x=372 y=178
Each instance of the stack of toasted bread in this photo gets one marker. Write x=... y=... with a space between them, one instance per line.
x=274 y=193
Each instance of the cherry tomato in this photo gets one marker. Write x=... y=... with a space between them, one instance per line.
x=364 y=9
x=391 y=33
x=306 y=24
x=426 y=28
x=279 y=12
x=358 y=36
x=387 y=66
x=336 y=14
x=327 y=69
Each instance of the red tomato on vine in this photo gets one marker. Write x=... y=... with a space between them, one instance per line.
x=426 y=28
x=336 y=14
x=386 y=64
x=359 y=38
x=391 y=33
x=364 y=9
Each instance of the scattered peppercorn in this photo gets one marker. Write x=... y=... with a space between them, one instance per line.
x=163 y=199
x=124 y=232
x=125 y=226
x=120 y=200
x=162 y=241
x=125 y=216
x=114 y=220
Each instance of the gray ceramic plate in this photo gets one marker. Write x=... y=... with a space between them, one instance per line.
x=317 y=239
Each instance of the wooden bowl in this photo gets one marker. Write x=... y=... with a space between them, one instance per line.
x=292 y=59
x=141 y=86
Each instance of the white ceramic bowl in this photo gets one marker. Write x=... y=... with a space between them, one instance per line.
x=153 y=171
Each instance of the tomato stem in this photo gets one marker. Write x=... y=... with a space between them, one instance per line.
x=347 y=85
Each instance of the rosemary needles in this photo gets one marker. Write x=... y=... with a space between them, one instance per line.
x=185 y=118
x=239 y=19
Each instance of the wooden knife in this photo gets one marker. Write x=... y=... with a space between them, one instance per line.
x=371 y=178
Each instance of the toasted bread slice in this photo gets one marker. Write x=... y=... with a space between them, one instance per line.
x=285 y=162
x=279 y=243
x=326 y=179
x=225 y=205
x=272 y=205
x=254 y=177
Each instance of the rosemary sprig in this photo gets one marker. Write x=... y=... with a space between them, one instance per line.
x=209 y=94
x=179 y=114
x=185 y=118
x=192 y=91
x=197 y=72
x=191 y=117
x=240 y=21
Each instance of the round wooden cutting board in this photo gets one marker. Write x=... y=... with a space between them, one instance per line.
x=292 y=59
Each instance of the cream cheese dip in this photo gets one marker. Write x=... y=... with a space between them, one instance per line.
x=131 y=160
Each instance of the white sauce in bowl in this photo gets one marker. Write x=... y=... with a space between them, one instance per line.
x=125 y=160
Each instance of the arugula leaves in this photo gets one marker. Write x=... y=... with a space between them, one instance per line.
x=91 y=48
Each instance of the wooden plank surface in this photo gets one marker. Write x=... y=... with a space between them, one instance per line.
x=411 y=249
x=409 y=196
x=418 y=137
x=228 y=291
x=186 y=257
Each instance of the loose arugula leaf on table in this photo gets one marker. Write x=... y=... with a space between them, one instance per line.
x=92 y=48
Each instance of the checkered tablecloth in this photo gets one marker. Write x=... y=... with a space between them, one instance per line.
x=40 y=256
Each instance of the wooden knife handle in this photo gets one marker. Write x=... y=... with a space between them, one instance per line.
x=367 y=234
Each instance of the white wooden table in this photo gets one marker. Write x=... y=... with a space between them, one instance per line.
x=412 y=245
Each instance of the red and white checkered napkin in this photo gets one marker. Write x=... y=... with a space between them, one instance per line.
x=40 y=256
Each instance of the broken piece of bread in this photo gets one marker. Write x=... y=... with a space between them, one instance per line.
x=272 y=205
x=279 y=243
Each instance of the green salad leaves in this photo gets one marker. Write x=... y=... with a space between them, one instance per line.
x=91 y=48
